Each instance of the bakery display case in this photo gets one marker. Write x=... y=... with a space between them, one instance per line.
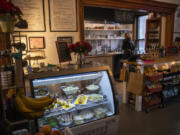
x=81 y=97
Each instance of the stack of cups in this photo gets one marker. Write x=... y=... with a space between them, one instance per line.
x=6 y=79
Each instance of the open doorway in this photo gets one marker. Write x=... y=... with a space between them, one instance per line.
x=105 y=29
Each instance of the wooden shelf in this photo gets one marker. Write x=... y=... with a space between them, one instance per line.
x=107 y=30
x=121 y=38
x=153 y=27
x=9 y=87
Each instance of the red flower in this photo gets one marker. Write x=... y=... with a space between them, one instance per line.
x=8 y=7
x=80 y=47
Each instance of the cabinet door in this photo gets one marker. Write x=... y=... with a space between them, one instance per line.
x=108 y=61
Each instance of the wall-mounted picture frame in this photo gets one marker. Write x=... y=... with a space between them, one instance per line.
x=34 y=16
x=69 y=39
x=22 y=39
x=36 y=43
x=63 y=17
x=63 y=51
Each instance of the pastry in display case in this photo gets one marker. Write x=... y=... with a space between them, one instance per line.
x=79 y=98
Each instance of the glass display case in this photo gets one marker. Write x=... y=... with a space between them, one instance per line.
x=80 y=98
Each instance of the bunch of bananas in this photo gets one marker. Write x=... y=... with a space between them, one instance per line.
x=31 y=108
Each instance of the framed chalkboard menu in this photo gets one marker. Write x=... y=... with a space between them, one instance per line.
x=63 y=51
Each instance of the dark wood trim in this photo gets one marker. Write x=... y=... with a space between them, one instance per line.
x=152 y=3
x=81 y=20
x=134 y=35
x=152 y=6
x=132 y=4
x=169 y=29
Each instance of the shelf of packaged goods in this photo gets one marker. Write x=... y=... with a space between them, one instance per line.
x=171 y=74
x=108 y=30
x=59 y=111
x=153 y=38
x=167 y=100
x=120 y=38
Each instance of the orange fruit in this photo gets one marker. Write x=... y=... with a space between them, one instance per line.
x=46 y=130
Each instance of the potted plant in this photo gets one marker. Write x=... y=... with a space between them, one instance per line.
x=9 y=14
x=81 y=49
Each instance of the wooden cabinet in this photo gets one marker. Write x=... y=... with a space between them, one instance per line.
x=153 y=33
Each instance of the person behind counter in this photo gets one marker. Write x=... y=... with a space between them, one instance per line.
x=128 y=46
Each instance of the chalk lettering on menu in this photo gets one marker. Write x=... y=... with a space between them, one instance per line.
x=124 y=17
x=33 y=13
x=63 y=51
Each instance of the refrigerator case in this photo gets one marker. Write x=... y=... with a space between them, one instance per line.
x=84 y=99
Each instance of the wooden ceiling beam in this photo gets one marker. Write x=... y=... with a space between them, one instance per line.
x=132 y=4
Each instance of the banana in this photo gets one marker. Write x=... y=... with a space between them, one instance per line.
x=32 y=103
x=33 y=115
x=20 y=106
x=31 y=108
x=42 y=98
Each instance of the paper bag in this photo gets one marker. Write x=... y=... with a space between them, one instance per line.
x=122 y=74
x=136 y=83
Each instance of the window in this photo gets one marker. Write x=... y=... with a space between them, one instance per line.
x=141 y=33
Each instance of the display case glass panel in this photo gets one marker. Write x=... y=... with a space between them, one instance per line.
x=79 y=98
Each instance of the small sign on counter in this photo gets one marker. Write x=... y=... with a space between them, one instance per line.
x=63 y=51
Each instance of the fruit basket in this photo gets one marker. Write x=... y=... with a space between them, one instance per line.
x=150 y=102
x=154 y=77
x=154 y=89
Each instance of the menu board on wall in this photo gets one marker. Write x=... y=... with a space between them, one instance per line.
x=63 y=15
x=33 y=13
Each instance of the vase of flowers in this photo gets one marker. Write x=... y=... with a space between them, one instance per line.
x=9 y=14
x=81 y=49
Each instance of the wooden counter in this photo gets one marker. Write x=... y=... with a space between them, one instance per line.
x=156 y=61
